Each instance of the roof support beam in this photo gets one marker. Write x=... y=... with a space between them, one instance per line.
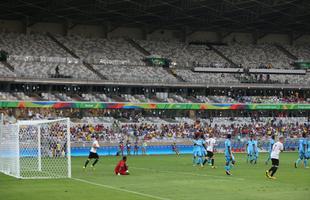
x=151 y=30
x=257 y=36
x=189 y=32
x=111 y=27
x=294 y=36
x=224 y=34
x=29 y=22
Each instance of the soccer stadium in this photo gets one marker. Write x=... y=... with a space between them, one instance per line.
x=154 y=99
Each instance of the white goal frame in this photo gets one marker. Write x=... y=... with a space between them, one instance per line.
x=36 y=149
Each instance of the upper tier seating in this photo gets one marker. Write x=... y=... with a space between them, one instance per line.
x=254 y=56
x=45 y=70
x=302 y=52
x=4 y=71
x=181 y=53
x=212 y=78
x=30 y=45
x=100 y=48
x=133 y=69
x=136 y=73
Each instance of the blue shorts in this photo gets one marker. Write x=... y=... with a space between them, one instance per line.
x=256 y=153
x=250 y=152
x=195 y=153
x=307 y=155
x=201 y=153
x=229 y=159
x=302 y=155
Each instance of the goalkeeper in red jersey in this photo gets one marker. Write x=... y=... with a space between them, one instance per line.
x=122 y=168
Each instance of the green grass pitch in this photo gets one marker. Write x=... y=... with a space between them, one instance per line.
x=164 y=178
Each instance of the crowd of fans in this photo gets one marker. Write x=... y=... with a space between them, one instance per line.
x=239 y=127
x=113 y=125
x=181 y=131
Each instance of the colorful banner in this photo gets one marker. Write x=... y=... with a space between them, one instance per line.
x=163 y=106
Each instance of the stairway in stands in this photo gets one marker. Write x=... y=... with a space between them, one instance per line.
x=86 y=64
x=8 y=65
x=173 y=73
x=222 y=55
x=138 y=47
x=147 y=53
x=285 y=51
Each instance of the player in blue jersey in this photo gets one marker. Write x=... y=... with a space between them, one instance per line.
x=255 y=150
x=308 y=151
x=228 y=155
x=271 y=143
x=250 y=150
x=201 y=150
x=302 y=149
x=195 y=151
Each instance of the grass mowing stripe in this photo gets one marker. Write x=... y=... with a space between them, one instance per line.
x=189 y=173
x=120 y=189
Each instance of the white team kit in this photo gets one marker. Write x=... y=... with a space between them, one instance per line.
x=93 y=150
x=93 y=154
x=210 y=144
x=276 y=149
x=94 y=146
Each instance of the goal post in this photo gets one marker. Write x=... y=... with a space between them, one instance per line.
x=1 y=118
x=36 y=149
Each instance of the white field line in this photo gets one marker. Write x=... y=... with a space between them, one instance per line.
x=120 y=189
x=189 y=173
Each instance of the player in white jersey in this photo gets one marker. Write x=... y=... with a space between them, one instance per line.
x=210 y=143
x=277 y=148
x=93 y=153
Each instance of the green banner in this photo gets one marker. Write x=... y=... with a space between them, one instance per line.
x=302 y=64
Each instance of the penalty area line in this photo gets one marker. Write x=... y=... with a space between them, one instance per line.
x=190 y=174
x=120 y=189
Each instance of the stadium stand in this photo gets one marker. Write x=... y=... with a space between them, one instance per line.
x=183 y=54
x=256 y=56
x=216 y=78
x=302 y=52
x=136 y=73
x=96 y=49
x=4 y=71
x=7 y=96
x=112 y=129
x=118 y=60
x=47 y=70
x=30 y=45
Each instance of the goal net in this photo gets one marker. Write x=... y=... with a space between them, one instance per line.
x=36 y=149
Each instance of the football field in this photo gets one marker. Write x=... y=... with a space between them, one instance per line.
x=164 y=178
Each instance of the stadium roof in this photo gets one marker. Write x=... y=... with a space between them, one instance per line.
x=285 y=16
